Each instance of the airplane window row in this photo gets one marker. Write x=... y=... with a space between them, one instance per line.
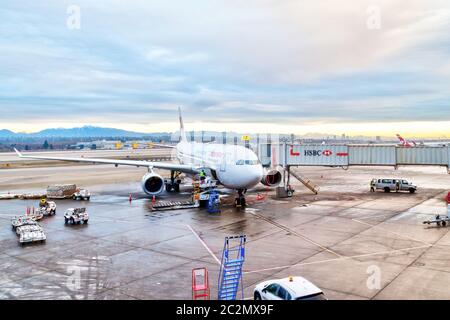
x=247 y=162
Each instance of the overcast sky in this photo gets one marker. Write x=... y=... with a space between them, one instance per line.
x=256 y=65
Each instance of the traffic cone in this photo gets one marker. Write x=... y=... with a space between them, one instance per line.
x=154 y=200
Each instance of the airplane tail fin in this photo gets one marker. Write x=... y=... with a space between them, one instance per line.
x=182 y=132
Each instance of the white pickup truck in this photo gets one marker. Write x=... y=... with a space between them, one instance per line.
x=388 y=185
x=82 y=194
x=76 y=216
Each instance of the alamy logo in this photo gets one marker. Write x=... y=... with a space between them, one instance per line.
x=374 y=280
x=374 y=20
x=74 y=280
x=74 y=19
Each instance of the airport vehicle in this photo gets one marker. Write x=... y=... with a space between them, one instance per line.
x=28 y=228
x=25 y=219
x=61 y=191
x=19 y=221
x=206 y=187
x=440 y=221
x=47 y=208
x=76 y=216
x=32 y=236
x=388 y=185
x=82 y=194
x=292 y=288
x=37 y=215
x=234 y=167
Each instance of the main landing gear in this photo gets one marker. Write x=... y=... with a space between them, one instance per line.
x=240 y=199
x=173 y=184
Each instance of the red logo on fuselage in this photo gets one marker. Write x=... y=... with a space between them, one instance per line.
x=327 y=153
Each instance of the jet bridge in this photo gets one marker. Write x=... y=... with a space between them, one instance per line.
x=293 y=155
x=352 y=155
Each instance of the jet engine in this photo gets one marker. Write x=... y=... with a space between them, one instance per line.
x=272 y=178
x=152 y=184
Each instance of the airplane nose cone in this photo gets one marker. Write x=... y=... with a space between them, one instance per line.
x=254 y=177
x=241 y=177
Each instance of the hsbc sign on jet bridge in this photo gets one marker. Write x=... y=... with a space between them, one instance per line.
x=317 y=155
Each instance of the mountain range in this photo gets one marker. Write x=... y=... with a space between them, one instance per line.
x=81 y=132
x=6 y=133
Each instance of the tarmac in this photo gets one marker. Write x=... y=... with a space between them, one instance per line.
x=351 y=243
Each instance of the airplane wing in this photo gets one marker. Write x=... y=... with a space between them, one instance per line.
x=436 y=144
x=161 y=145
x=137 y=163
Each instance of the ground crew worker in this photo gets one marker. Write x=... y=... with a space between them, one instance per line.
x=202 y=175
x=43 y=202
x=372 y=186
x=397 y=185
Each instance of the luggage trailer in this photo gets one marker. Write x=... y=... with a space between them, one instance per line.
x=440 y=220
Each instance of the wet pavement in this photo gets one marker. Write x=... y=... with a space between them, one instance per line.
x=335 y=239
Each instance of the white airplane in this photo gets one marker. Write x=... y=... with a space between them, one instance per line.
x=234 y=167
x=405 y=143
x=412 y=143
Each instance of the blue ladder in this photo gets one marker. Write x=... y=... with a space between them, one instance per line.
x=230 y=274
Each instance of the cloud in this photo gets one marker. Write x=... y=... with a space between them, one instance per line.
x=259 y=61
x=166 y=56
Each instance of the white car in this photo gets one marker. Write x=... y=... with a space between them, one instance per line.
x=292 y=288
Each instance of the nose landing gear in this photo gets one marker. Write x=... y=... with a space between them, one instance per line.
x=240 y=199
